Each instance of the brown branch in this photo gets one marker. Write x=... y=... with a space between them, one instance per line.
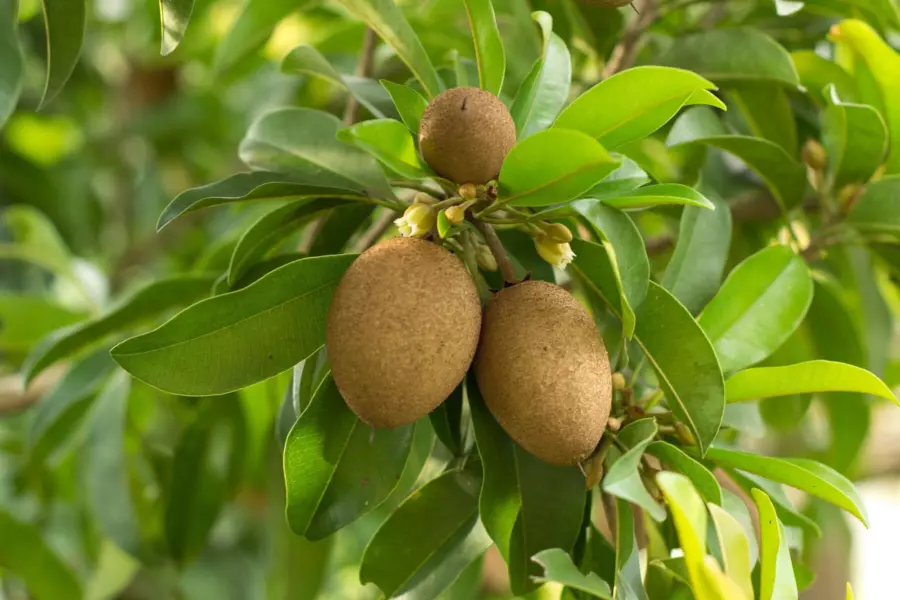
x=625 y=52
x=376 y=230
x=497 y=249
x=363 y=69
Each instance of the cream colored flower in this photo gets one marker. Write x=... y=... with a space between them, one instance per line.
x=417 y=221
x=555 y=253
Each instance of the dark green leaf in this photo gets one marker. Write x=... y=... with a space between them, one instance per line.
x=447 y=421
x=174 y=16
x=596 y=265
x=634 y=103
x=334 y=472
x=766 y=112
x=11 y=61
x=148 y=302
x=303 y=142
x=429 y=540
x=65 y=22
x=25 y=554
x=281 y=316
x=878 y=209
x=24 y=320
x=559 y=568
x=776 y=572
x=339 y=227
x=763 y=300
x=410 y=104
x=386 y=18
x=702 y=478
x=390 y=142
x=628 y=177
x=524 y=255
x=855 y=139
x=488 y=45
x=623 y=476
x=628 y=584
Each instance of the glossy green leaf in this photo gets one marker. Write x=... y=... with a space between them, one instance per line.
x=281 y=316
x=303 y=142
x=596 y=265
x=628 y=177
x=149 y=302
x=784 y=175
x=689 y=516
x=623 y=475
x=701 y=477
x=409 y=103
x=447 y=422
x=734 y=547
x=658 y=195
x=386 y=18
x=789 y=515
x=105 y=466
x=339 y=227
x=306 y=60
x=388 y=141
x=489 y=51
x=546 y=89
x=878 y=209
x=733 y=54
x=24 y=320
x=174 y=16
x=65 y=23
x=766 y=112
x=251 y=29
x=624 y=247
x=808 y=475
x=552 y=167
x=814 y=376
x=559 y=568
x=429 y=540
x=334 y=472
x=634 y=103
x=737 y=509
x=776 y=571
x=855 y=138
x=817 y=73
x=761 y=303
x=11 y=61
x=883 y=62
x=25 y=554
x=250 y=187
x=628 y=583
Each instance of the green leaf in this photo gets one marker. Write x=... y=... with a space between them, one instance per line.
x=808 y=475
x=306 y=60
x=386 y=18
x=60 y=411
x=855 y=139
x=488 y=46
x=817 y=73
x=628 y=177
x=339 y=227
x=784 y=176
x=737 y=510
x=628 y=583
x=702 y=478
x=65 y=23
x=625 y=247
x=658 y=195
x=25 y=554
x=24 y=320
x=878 y=209
x=526 y=505
x=623 y=476
x=409 y=103
x=776 y=571
x=390 y=142
x=733 y=54
x=36 y=240
x=553 y=167
x=689 y=516
x=11 y=61
x=429 y=540
x=447 y=421
x=174 y=16
x=144 y=304
x=105 y=477
x=281 y=316
x=252 y=28
x=735 y=548
x=766 y=111
x=761 y=303
x=596 y=265
x=814 y=376
x=559 y=568
x=884 y=63
x=694 y=272
x=546 y=89
x=443 y=225
x=303 y=142
x=336 y=468
x=783 y=506
x=634 y=103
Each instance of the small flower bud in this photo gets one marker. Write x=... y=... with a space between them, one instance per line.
x=455 y=214
x=468 y=191
x=618 y=381
x=423 y=198
x=416 y=221
x=555 y=253
x=558 y=233
x=814 y=155
x=485 y=259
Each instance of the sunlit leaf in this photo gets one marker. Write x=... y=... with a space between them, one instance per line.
x=489 y=52
x=390 y=142
x=559 y=568
x=776 y=572
x=174 y=16
x=734 y=547
x=65 y=24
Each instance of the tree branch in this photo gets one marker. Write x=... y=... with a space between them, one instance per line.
x=626 y=50
x=497 y=249
x=363 y=69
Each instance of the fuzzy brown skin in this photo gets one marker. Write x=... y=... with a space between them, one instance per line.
x=402 y=330
x=465 y=134
x=544 y=373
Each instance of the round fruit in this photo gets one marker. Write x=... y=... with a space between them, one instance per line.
x=465 y=134
x=543 y=371
x=402 y=330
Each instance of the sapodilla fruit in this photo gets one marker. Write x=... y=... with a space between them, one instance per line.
x=543 y=371
x=402 y=330
x=464 y=135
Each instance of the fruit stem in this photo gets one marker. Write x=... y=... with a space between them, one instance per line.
x=497 y=249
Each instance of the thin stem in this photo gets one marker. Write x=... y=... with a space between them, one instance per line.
x=499 y=252
x=376 y=230
x=363 y=69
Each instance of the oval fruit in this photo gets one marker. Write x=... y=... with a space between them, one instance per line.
x=402 y=330
x=543 y=371
x=465 y=134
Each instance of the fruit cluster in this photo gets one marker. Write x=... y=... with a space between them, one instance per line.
x=406 y=321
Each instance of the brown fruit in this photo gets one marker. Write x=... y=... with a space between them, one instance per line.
x=402 y=330
x=543 y=371
x=465 y=134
